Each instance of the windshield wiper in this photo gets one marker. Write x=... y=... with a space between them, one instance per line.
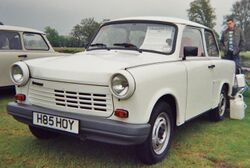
x=99 y=45
x=128 y=45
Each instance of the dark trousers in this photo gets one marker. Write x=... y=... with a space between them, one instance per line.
x=236 y=58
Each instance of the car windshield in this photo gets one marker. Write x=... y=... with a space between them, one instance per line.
x=152 y=37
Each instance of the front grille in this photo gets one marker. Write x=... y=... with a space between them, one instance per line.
x=85 y=99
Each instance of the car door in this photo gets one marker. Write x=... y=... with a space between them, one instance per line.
x=36 y=46
x=199 y=74
x=10 y=51
x=222 y=70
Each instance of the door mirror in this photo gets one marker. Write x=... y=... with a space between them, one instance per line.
x=86 y=45
x=190 y=51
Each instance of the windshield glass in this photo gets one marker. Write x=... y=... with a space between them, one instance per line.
x=140 y=36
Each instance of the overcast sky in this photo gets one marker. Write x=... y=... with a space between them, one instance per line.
x=64 y=14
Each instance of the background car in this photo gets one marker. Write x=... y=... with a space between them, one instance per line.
x=19 y=43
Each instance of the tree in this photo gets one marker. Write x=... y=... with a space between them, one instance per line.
x=77 y=34
x=202 y=12
x=241 y=13
x=84 y=31
x=52 y=36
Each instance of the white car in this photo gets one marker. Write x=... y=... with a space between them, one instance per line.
x=138 y=79
x=19 y=43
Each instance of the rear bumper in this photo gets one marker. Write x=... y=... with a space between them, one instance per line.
x=93 y=128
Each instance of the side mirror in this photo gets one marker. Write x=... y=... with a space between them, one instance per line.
x=86 y=45
x=190 y=51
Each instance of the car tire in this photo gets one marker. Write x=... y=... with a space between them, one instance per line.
x=219 y=112
x=156 y=147
x=41 y=133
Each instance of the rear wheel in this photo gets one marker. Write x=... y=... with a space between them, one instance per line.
x=155 y=148
x=41 y=133
x=218 y=113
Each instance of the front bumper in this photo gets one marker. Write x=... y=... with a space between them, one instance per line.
x=93 y=128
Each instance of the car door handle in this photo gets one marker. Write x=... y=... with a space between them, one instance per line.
x=211 y=66
x=22 y=56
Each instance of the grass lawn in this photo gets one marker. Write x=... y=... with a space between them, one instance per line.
x=199 y=143
x=245 y=54
x=245 y=62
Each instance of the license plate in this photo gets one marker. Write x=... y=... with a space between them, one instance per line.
x=56 y=122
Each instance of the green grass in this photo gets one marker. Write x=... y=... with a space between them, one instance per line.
x=245 y=62
x=245 y=54
x=199 y=143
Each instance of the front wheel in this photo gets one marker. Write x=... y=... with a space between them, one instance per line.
x=155 y=148
x=218 y=113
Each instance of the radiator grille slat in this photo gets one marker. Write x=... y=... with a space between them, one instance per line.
x=65 y=97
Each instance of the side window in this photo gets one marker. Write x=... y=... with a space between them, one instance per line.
x=33 y=41
x=10 y=41
x=212 y=48
x=192 y=38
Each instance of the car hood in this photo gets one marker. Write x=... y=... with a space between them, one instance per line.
x=91 y=67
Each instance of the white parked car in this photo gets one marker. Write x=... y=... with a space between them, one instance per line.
x=138 y=79
x=19 y=43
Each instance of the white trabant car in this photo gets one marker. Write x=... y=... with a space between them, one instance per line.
x=19 y=43
x=138 y=79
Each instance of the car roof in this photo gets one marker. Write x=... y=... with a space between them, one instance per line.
x=163 y=19
x=20 y=29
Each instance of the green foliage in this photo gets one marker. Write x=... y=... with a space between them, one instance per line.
x=80 y=35
x=201 y=11
x=84 y=31
x=68 y=49
x=53 y=36
x=57 y=40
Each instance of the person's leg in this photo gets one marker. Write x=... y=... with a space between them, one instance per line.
x=236 y=58
x=228 y=56
x=237 y=63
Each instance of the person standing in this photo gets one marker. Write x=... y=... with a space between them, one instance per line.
x=232 y=43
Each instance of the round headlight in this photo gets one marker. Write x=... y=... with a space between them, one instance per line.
x=122 y=85
x=19 y=73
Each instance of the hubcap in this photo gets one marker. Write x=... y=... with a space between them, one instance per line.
x=161 y=133
x=222 y=105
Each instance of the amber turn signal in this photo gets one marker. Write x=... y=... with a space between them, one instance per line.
x=121 y=113
x=20 y=97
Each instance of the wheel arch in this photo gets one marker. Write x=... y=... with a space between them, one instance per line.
x=171 y=99
x=222 y=85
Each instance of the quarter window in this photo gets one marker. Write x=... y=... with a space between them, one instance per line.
x=212 y=48
x=34 y=41
x=10 y=41
x=192 y=38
